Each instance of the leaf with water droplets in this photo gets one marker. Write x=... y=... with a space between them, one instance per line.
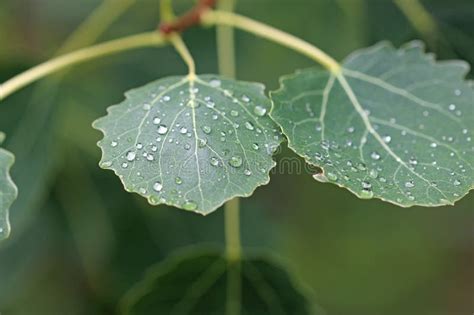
x=205 y=282
x=8 y=190
x=192 y=143
x=393 y=124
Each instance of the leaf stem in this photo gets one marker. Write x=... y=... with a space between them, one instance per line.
x=226 y=43
x=183 y=51
x=271 y=33
x=419 y=17
x=232 y=229
x=53 y=65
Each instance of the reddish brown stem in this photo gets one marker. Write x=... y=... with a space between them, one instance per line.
x=189 y=19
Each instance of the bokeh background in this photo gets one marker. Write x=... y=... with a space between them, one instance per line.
x=79 y=241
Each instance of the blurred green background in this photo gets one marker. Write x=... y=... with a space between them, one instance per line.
x=79 y=241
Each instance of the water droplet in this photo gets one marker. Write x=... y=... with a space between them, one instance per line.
x=124 y=165
x=457 y=92
x=183 y=130
x=214 y=161
x=166 y=98
x=245 y=98
x=249 y=125
x=413 y=161
x=215 y=83
x=456 y=182
x=190 y=205
x=350 y=129
x=206 y=129
x=375 y=156
x=157 y=186
x=106 y=164
x=366 y=194
x=331 y=176
x=202 y=142
x=255 y=146
x=234 y=113
x=178 y=180
x=410 y=184
x=131 y=156
x=387 y=139
x=373 y=173
x=150 y=157
x=361 y=166
x=114 y=144
x=452 y=107
x=235 y=161
x=162 y=129
x=320 y=177
x=139 y=146
x=156 y=120
x=433 y=144
x=366 y=185
x=260 y=111
x=248 y=172
x=146 y=106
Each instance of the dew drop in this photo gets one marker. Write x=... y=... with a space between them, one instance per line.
x=114 y=144
x=410 y=184
x=366 y=185
x=206 y=129
x=234 y=113
x=215 y=83
x=433 y=144
x=249 y=125
x=214 y=161
x=156 y=120
x=162 y=129
x=183 y=130
x=387 y=139
x=452 y=107
x=366 y=194
x=178 y=180
x=131 y=156
x=157 y=186
x=373 y=173
x=190 y=205
x=235 y=161
x=166 y=98
x=255 y=146
x=248 y=172
x=456 y=182
x=375 y=156
x=260 y=111
x=245 y=98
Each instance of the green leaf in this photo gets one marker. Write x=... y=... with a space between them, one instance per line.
x=192 y=143
x=8 y=190
x=394 y=125
x=197 y=283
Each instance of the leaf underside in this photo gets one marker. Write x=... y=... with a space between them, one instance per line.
x=8 y=190
x=393 y=125
x=192 y=143
x=197 y=284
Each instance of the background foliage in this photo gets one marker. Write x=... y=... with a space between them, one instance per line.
x=79 y=242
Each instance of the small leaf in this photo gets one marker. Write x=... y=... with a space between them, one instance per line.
x=192 y=143
x=8 y=190
x=394 y=125
x=197 y=283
